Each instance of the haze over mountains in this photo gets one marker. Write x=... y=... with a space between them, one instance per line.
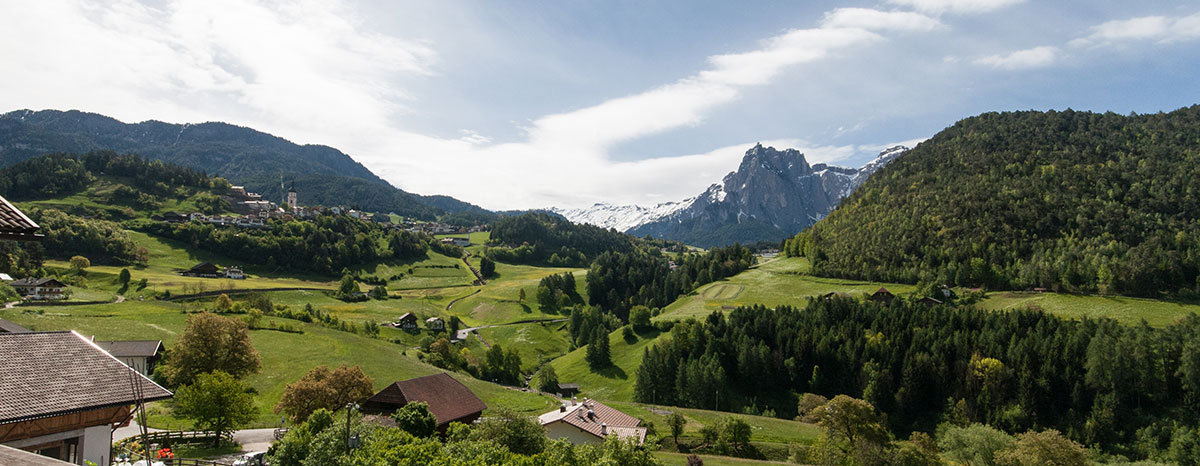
x=771 y=195
x=245 y=156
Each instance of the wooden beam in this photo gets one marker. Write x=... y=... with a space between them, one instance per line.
x=63 y=423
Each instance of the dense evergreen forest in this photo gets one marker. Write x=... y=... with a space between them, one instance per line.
x=618 y=281
x=325 y=245
x=1072 y=201
x=538 y=238
x=1127 y=389
x=58 y=175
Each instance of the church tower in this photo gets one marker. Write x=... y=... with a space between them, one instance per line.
x=291 y=197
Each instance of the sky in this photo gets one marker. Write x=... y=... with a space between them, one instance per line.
x=513 y=105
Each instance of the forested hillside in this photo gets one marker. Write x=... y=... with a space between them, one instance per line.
x=1071 y=201
x=245 y=156
x=538 y=238
x=1127 y=389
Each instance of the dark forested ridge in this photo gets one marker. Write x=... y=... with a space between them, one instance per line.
x=242 y=155
x=1126 y=389
x=1073 y=201
x=539 y=238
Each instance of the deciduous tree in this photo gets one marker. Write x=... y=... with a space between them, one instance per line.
x=211 y=342
x=216 y=402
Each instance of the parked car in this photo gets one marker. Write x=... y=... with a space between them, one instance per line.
x=257 y=458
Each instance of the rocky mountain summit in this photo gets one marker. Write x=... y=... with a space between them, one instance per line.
x=772 y=195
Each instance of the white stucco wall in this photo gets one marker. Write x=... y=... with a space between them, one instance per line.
x=559 y=429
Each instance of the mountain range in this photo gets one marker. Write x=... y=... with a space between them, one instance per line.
x=244 y=156
x=772 y=195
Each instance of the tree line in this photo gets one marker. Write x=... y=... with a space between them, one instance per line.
x=617 y=281
x=539 y=238
x=1125 y=389
x=60 y=174
x=1071 y=201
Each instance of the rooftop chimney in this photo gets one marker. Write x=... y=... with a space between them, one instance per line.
x=603 y=429
x=562 y=409
x=591 y=414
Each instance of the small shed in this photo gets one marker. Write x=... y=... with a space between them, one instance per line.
x=929 y=301
x=141 y=355
x=568 y=389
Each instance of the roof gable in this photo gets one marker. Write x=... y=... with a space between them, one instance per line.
x=52 y=373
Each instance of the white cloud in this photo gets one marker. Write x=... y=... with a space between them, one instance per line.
x=955 y=6
x=1022 y=59
x=876 y=20
x=1146 y=28
x=312 y=72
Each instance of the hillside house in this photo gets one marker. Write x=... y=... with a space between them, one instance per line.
x=448 y=399
x=38 y=289
x=883 y=296
x=407 y=321
x=457 y=241
x=435 y=324
x=203 y=269
x=591 y=422
x=175 y=217
x=141 y=355
x=234 y=273
x=63 y=396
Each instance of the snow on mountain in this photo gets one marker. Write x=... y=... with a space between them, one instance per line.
x=772 y=193
x=621 y=217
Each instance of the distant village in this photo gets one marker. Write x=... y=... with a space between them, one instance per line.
x=253 y=212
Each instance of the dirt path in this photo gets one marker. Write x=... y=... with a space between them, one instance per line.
x=463 y=334
x=462 y=298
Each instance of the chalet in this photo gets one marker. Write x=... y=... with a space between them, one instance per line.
x=15 y=226
x=63 y=396
x=448 y=399
x=234 y=273
x=883 y=296
x=141 y=355
x=568 y=389
x=11 y=327
x=407 y=321
x=38 y=289
x=591 y=422
x=435 y=323
x=203 y=269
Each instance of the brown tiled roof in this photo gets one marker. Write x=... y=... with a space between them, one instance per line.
x=11 y=327
x=14 y=224
x=52 y=373
x=131 y=348
x=449 y=400
x=10 y=456
x=600 y=418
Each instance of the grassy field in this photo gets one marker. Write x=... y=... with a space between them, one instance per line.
x=762 y=429
x=534 y=342
x=286 y=356
x=773 y=283
x=498 y=302
x=613 y=383
x=1130 y=311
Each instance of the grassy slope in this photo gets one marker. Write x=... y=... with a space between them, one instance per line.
x=762 y=429
x=286 y=356
x=672 y=459
x=614 y=383
x=772 y=283
x=1129 y=311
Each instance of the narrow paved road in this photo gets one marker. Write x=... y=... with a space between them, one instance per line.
x=462 y=298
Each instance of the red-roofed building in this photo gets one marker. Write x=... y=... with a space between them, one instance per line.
x=591 y=422
x=448 y=399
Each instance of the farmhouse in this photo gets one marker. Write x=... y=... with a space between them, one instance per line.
x=568 y=389
x=141 y=355
x=38 y=289
x=591 y=422
x=883 y=296
x=407 y=321
x=63 y=395
x=234 y=273
x=448 y=399
x=204 y=269
x=435 y=323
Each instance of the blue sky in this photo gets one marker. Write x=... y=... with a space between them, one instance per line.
x=566 y=103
